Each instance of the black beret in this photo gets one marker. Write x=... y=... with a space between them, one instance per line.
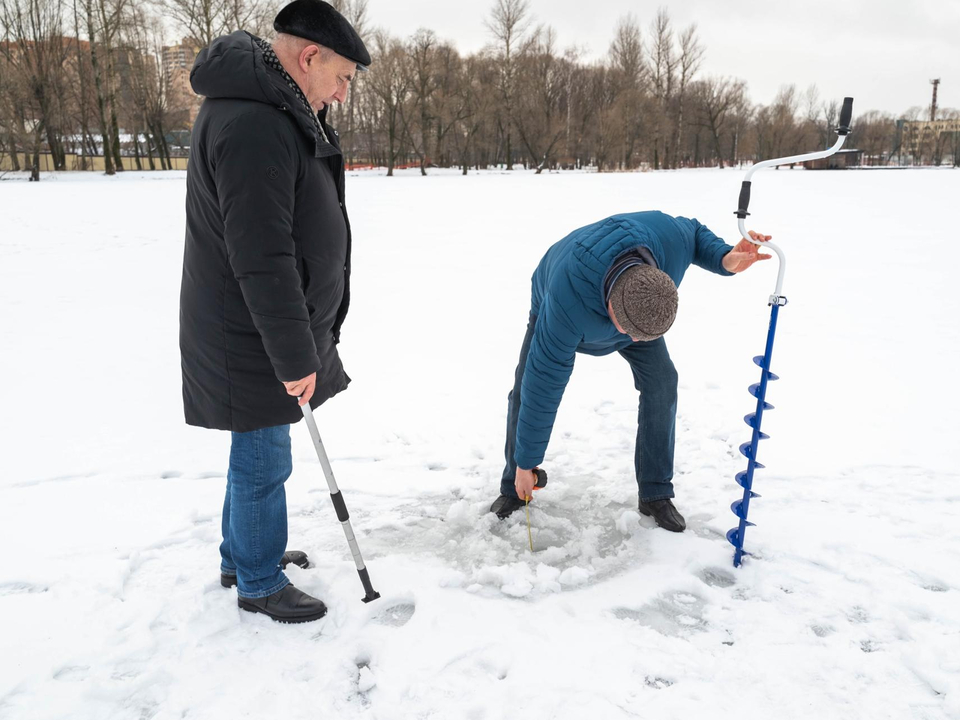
x=318 y=21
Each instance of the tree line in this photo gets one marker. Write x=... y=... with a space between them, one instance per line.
x=89 y=77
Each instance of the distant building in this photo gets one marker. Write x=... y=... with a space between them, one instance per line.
x=177 y=62
x=840 y=160
x=932 y=139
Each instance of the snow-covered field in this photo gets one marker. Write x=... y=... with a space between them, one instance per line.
x=110 y=605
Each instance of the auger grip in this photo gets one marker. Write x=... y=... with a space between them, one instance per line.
x=744 y=200
x=846 y=114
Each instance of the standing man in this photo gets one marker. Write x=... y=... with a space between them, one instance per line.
x=610 y=287
x=266 y=274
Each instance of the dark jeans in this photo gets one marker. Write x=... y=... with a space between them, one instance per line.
x=656 y=378
x=255 y=511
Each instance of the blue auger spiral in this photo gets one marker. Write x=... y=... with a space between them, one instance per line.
x=741 y=507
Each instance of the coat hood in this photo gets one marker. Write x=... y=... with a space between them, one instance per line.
x=232 y=66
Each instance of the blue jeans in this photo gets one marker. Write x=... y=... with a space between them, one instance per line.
x=656 y=378
x=255 y=511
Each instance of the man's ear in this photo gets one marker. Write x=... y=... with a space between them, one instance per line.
x=310 y=54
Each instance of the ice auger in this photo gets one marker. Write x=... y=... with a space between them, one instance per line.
x=776 y=301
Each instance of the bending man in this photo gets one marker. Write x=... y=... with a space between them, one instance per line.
x=610 y=287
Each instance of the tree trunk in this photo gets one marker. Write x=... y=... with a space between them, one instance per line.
x=98 y=83
x=14 y=156
x=35 y=169
x=136 y=149
x=114 y=143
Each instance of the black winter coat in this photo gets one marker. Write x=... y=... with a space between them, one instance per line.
x=266 y=265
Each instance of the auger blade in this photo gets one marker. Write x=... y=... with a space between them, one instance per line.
x=733 y=537
x=751 y=420
x=746 y=451
x=742 y=482
x=737 y=508
x=755 y=391
x=759 y=360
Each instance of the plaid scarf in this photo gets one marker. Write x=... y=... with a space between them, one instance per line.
x=273 y=62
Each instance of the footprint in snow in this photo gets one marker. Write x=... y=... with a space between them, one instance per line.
x=395 y=615
x=22 y=588
x=822 y=630
x=715 y=577
x=677 y=615
x=657 y=683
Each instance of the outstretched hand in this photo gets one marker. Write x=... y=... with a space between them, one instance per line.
x=745 y=254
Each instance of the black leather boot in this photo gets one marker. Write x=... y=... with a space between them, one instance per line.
x=289 y=605
x=505 y=505
x=665 y=514
x=297 y=557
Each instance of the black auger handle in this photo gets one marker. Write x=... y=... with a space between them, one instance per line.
x=846 y=114
x=744 y=200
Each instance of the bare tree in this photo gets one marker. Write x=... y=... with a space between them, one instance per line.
x=254 y=16
x=37 y=53
x=389 y=86
x=691 y=57
x=91 y=15
x=717 y=100
x=663 y=66
x=110 y=14
x=471 y=113
x=540 y=114
x=628 y=79
x=346 y=117
x=203 y=20
x=508 y=22
x=418 y=118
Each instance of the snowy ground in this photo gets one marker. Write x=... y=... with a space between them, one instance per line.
x=110 y=605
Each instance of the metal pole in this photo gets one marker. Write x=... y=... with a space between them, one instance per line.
x=339 y=505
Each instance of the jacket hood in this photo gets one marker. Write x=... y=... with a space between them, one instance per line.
x=232 y=66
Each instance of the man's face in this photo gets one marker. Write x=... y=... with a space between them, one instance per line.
x=328 y=77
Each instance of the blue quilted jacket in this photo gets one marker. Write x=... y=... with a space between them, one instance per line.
x=571 y=312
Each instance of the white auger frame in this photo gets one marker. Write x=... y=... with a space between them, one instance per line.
x=842 y=131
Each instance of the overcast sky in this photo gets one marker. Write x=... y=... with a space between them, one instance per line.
x=882 y=52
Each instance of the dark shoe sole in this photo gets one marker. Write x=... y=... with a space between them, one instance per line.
x=644 y=511
x=285 y=620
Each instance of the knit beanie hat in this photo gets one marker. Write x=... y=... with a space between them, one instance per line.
x=644 y=302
